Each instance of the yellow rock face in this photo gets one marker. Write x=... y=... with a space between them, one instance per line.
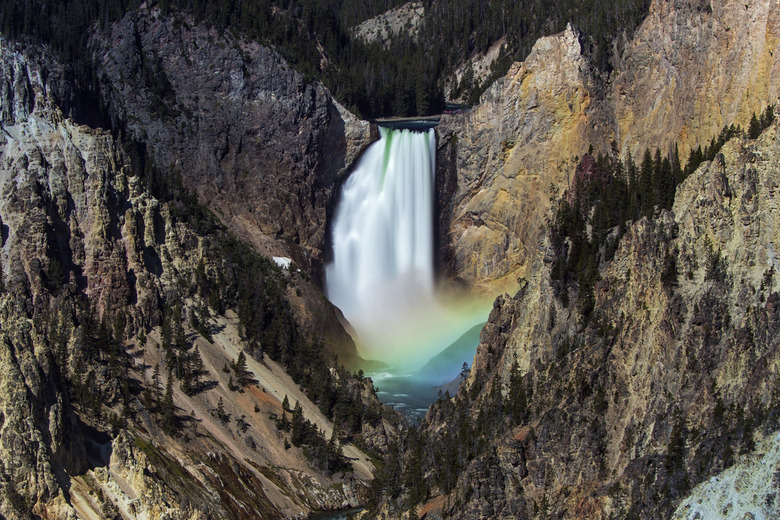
x=689 y=72
x=685 y=74
x=519 y=142
x=702 y=340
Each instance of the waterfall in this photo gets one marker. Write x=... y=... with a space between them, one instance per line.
x=382 y=270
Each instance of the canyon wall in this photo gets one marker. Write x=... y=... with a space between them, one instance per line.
x=690 y=69
x=109 y=297
x=672 y=379
x=502 y=157
x=265 y=148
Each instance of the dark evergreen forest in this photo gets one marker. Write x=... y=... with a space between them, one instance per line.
x=404 y=78
x=607 y=195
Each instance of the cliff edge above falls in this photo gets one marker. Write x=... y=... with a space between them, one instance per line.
x=690 y=69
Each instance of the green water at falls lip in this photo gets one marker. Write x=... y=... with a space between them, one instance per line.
x=388 y=144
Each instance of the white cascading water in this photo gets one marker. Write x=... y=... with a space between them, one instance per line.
x=382 y=272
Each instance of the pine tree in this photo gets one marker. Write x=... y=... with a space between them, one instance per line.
x=221 y=414
x=297 y=425
x=242 y=374
x=120 y=323
x=171 y=361
x=203 y=322
x=185 y=374
x=754 y=129
x=646 y=184
x=156 y=387
x=166 y=334
x=168 y=410
x=55 y=276
x=197 y=368
x=215 y=300
x=332 y=453
x=284 y=422
x=413 y=469
x=464 y=371
x=677 y=175
x=180 y=338
x=768 y=117
x=657 y=177
x=91 y=397
x=669 y=275
x=633 y=188
x=77 y=382
x=695 y=158
x=666 y=184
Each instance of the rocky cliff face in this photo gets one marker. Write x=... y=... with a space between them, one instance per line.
x=618 y=416
x=501 y=158
x=40 y=437
x=406 y=19
x=749 y=485
x=99 y=280
x=693 y=68
x=690 y=69
x=264 y=148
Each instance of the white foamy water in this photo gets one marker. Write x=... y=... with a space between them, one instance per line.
x=382 y=275
x=383 y=230
x=382 y=272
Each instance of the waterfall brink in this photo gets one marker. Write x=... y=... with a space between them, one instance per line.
x=382 y=271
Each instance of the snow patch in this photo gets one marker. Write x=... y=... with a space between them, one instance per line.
x=283 y=262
